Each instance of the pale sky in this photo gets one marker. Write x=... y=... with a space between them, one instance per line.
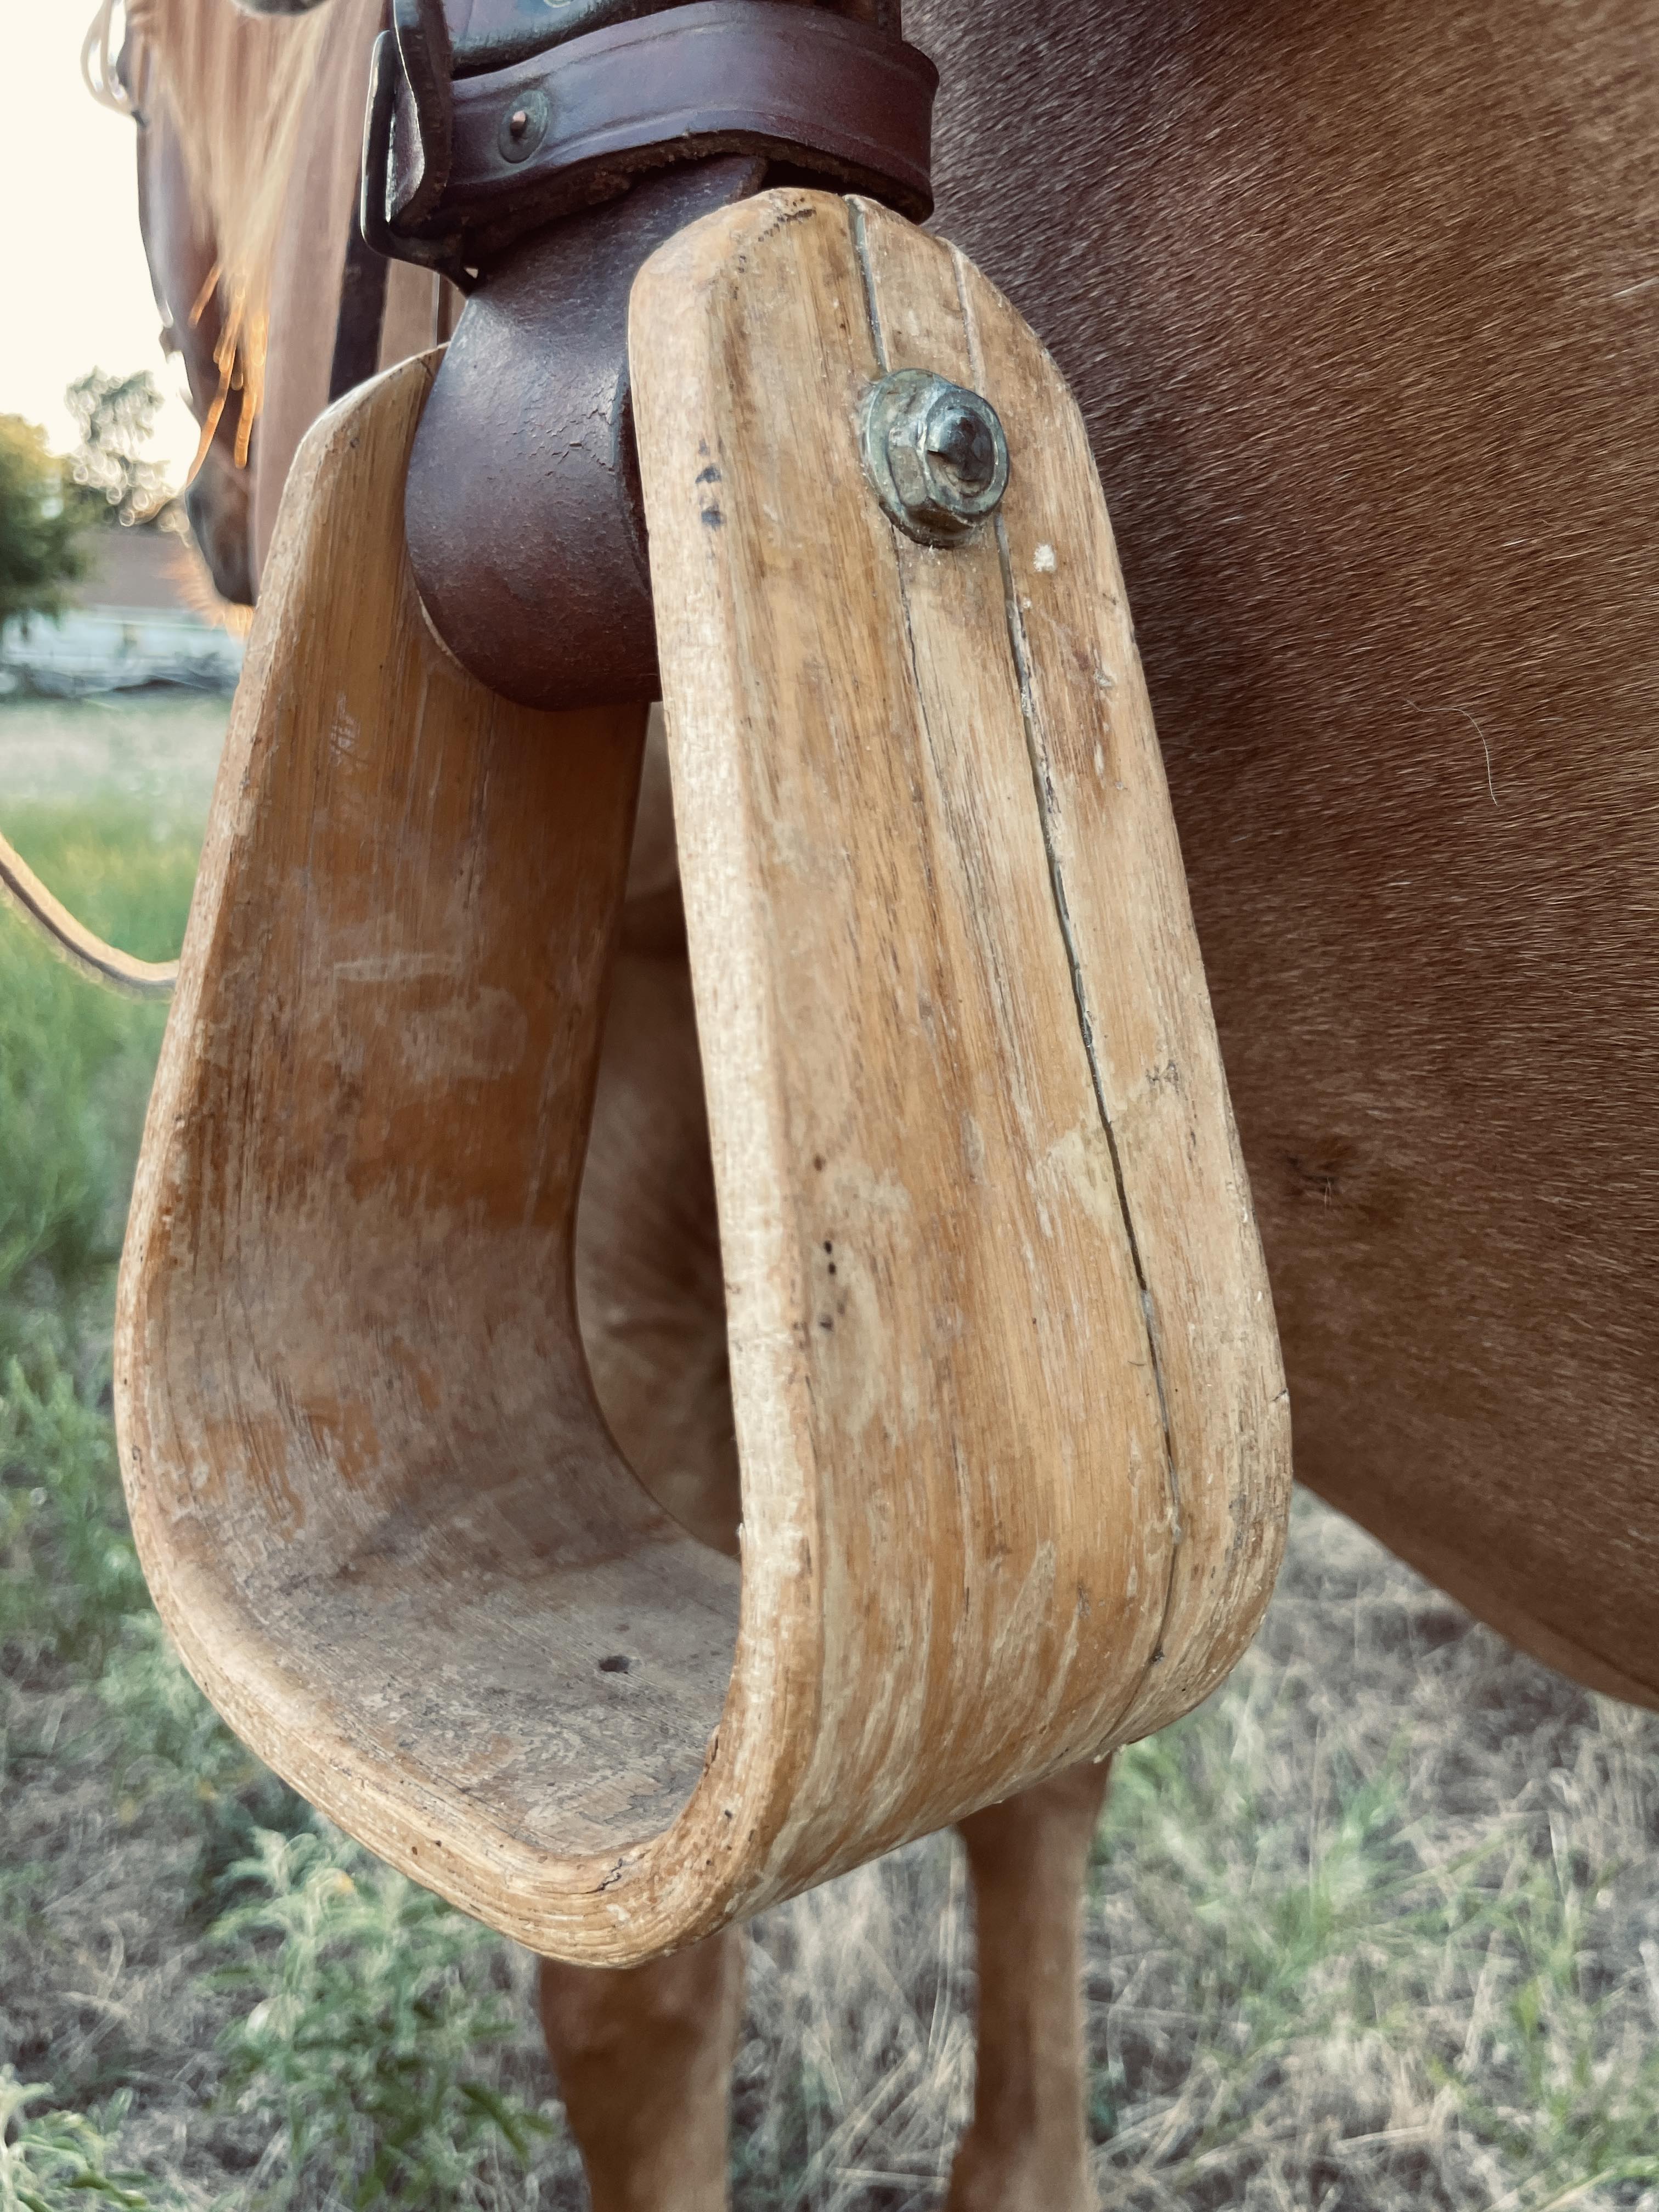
x=73 y=282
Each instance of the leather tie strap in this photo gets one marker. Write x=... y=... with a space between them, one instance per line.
x=22 y=888
x=825 y=98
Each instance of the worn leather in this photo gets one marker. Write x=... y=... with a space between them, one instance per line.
x=831 y=99
x=522 y=507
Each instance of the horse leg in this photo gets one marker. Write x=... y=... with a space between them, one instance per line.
x=643 y=2056
x=1026 y=2150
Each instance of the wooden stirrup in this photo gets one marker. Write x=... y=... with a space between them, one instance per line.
x=1012 y=1422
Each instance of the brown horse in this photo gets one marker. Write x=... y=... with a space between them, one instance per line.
x=1363 y=308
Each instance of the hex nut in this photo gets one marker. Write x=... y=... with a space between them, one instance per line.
x=935 y=454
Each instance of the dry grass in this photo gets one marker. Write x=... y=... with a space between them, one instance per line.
x=1378 y=1928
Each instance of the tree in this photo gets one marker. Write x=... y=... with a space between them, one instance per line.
x=115 y=415
x=39 y=532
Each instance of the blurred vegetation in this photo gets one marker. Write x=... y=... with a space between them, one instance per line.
x=1478 y=1994
x=41 y=548
x=76 y=1064
x=366 y=2046
x=114 y=481
x=54 y=2161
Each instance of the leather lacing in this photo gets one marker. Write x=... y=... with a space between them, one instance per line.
x=81 y=946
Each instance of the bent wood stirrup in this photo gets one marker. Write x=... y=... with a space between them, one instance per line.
x=1011 y=1419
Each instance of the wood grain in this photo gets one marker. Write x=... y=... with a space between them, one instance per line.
x=1012 y=1427
x=371 y=1488
x=1006 y=1383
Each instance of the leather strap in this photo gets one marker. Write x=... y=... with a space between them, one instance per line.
x=361 y=316
x=825 y=98
x=541 y=187
x=21 y=887
x=522 y=508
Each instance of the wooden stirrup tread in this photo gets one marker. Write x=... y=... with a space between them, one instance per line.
x=1012 y=1427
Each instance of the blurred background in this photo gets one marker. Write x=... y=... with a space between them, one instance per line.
x=72 y=262
x=100 y=588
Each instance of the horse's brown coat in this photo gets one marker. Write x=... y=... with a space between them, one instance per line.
x=179 y=243
x=1363 y=307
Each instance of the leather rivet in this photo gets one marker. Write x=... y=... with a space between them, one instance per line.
x=523 y=127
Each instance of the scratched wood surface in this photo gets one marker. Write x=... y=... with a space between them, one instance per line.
x=372 y=1490
x=1011 y=1426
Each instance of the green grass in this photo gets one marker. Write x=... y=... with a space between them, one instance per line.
x=347 y=2028
x=1378 y=1929
x=76 y=1062
x=156 y=751
x=1378 y=1968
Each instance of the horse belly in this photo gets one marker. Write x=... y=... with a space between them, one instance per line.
x=1362 y=306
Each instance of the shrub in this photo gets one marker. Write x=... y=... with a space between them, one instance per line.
x=373 y=2002
x=69 y=1574
x=39 y=551
x=59 y=2161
